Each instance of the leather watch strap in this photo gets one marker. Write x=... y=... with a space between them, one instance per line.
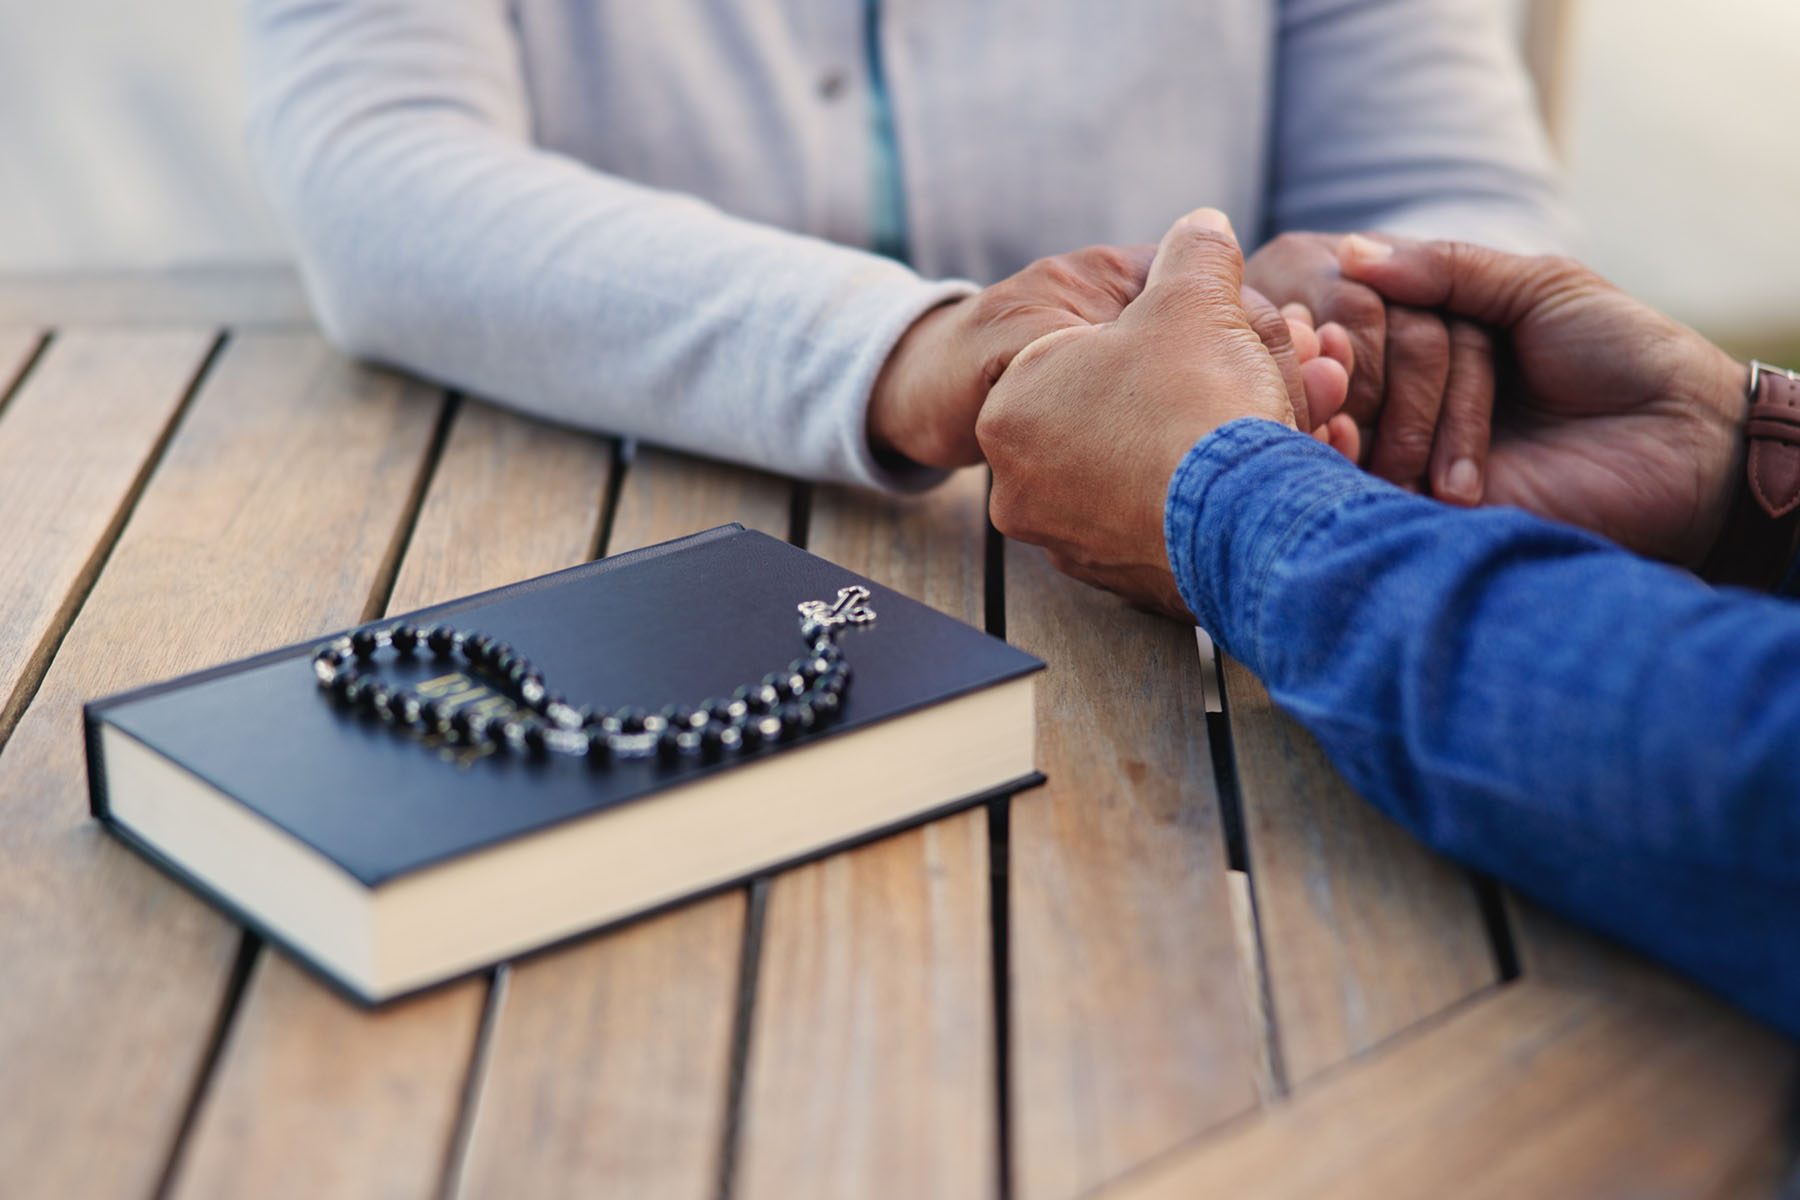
x=1757 y=546
x=1774 y=433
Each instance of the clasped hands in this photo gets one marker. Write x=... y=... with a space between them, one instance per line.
x=1608 y=415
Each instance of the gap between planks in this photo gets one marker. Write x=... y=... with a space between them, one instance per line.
x=88 y=424
x=115 y=973
x=391 y=1097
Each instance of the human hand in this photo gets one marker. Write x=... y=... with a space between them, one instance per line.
x=1086 y=427
x=1423 y=387
x=927 y=397
x=1611 y=416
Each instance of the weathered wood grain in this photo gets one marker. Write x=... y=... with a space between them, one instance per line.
x=273 y=510
x=1129 y=1034
x=610 y=1061
x=75 y=443
x=1364 y=931
x=18 y=344
x=238 y=296
x=1531 y=1090
x=872 y=1068
x=510 y=498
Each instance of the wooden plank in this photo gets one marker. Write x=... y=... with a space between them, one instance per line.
x=872 y=1058
x=1363 y=931
x=271 y=513
x=611 y=1060
x=18 y=345
x=1129 y=1034
x=267 y=294
x=376 y=1116
x=76 y=441
x=1532 y=1090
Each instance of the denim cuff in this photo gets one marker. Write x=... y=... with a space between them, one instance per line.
x=1244 y=499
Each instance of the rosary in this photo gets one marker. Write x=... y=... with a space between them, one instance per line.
x=807 y=693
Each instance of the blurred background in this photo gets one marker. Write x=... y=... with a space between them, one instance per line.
x=121 y=146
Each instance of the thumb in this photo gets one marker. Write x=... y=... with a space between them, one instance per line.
x=1200 y=253
x=1484 y=285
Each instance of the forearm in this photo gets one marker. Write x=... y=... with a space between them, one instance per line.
x=1412 y=116
x=433 y=235
x=1609 y=735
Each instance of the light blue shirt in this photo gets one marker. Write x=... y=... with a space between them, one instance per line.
x=656 y=219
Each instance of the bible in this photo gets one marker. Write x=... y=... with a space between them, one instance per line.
x=408 y=802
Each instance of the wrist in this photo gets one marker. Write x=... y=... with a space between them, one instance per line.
x=1757 y=538
x=900 y=431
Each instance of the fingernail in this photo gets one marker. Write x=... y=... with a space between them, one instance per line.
x=1209 y=218
x=1366 y=251
x=1463 y=481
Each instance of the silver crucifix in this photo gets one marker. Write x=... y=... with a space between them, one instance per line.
x=849 y=609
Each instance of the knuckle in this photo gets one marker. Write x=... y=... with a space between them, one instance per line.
x=1105 y=262
x=1357 y=309
x=1418 y=337
x=1468 y=338
x=1004 y=511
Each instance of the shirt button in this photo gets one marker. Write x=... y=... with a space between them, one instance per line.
x=831 y=85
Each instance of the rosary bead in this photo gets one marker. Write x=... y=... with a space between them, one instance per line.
x=749 y=732
x=768 y=727
x=405 y=638
x=599 y=750
x=678 y=717
x=566 y=741
x=731 y=738
x=825 y=704
x=441 y=639
x=668 y=746
x=533 y=737
x=562 y=714
x=809 y=630
x=476 y=649
x=828 y=650
x=462 y=724
x=712 y=741
x=362 y=642
x=382 y=701
x=795 y=719
x=631 y=719
x=431 y=715
x=354 y=689
x=408 y=707
x=532 y=690
x=726 y=711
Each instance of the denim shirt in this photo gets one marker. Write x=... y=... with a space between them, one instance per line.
x=1610 y=736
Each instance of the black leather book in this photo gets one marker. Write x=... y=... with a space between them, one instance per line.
x=390 y=861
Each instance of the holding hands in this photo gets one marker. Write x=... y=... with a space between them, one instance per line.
x=1086 y=427
x=1609 y=415
x=1422 y=393
x=934 y=383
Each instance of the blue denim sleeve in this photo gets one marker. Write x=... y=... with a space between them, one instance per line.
x=1609 y=735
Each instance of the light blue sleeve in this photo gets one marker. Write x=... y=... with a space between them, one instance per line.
x=1414 y=117
x=394 y=139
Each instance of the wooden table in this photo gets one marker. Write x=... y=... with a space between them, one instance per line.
x=1193 y=964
